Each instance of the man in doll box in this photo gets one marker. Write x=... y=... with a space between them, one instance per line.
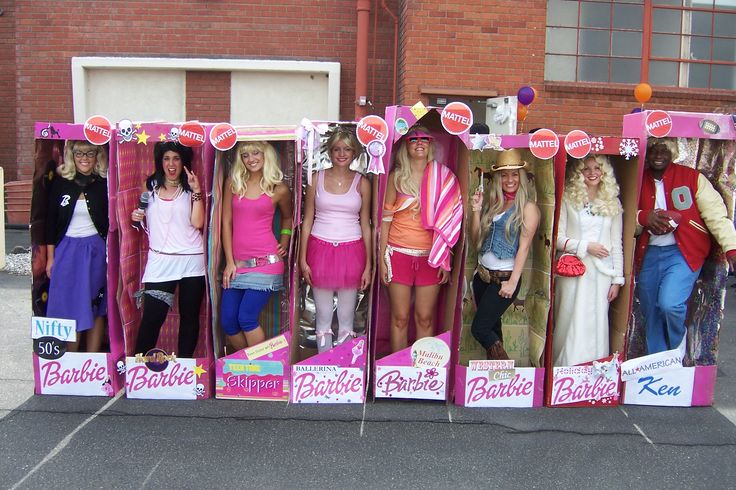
x=679 y=211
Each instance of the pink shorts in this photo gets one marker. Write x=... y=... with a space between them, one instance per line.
x=411 y=270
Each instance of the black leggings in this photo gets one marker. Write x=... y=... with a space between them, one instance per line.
x=191 y=291
x=486 y=326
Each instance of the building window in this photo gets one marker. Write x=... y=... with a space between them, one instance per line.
x=679 y=43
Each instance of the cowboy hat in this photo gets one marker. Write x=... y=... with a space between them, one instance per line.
x=509 y=160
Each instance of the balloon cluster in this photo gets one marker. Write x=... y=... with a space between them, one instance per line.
x=526 y=96
x=642 y=94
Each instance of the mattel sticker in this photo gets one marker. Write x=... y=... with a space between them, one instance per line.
x=223 y=136
x=98 y=130
x=658 y=124
x=372 y=128
x=577 y=144
x=457 y=118
x=544 y=144
x=192 y=134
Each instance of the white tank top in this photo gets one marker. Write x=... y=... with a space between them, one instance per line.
x=81 y=224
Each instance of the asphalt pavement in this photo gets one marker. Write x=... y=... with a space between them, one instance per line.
x=80 y=442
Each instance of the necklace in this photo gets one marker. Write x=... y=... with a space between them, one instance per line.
x=173 y=183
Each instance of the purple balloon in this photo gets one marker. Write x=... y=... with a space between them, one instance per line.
x=526 y=95
x=635 y=110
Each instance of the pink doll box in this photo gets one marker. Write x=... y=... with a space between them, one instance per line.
x=247 y=373
x=338 y=375
x=182 y=378
x=335 y=376
x=394 y=375
x=479 y=383
x=71 y=373
x=694 y=385
x=592 y=383
x=260 y=372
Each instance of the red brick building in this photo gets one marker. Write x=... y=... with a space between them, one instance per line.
x=582 y=57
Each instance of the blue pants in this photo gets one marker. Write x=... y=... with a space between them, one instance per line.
x=665 y=284
x=240 y=308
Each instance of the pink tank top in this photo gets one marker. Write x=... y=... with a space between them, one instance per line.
x=337 y=216
x=253 y=232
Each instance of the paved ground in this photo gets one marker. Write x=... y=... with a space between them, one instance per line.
x=79 y=442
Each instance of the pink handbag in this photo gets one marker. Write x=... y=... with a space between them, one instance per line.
x=569 y=265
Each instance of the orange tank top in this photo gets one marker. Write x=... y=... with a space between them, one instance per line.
x=406 y=228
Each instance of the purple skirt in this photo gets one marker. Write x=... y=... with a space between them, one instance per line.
x=336 y=265
x=78 y=281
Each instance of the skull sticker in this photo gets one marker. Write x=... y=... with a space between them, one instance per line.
x=125 y=131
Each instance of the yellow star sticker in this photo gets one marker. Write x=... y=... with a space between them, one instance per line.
x=142 y=137
x=419 y=110
x=198 y=370
x=138 y=126
x=162 y=137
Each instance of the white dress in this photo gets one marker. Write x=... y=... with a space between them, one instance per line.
x=581 y=332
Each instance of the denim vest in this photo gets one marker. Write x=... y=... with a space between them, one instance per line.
x=496 y=240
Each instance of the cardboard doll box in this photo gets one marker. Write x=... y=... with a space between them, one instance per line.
x=260 y=372
x=596 y=382
x=424 y=369
x=520 y=381
x=56 y=371
x=339 y=374
x=705 y=142
x=159 y=373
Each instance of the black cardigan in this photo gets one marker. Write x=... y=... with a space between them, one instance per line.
x=63 y=197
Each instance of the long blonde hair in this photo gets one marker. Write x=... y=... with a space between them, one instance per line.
x=68 y=170
x=272 y=174
x=403 y=180
x=606 y=201
x=494 y=205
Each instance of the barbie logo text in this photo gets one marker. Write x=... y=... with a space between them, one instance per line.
x=483 y=388
x=574 y=389
x=53 y=373
x=410 y=382
x=326 y=386
x=141 y=378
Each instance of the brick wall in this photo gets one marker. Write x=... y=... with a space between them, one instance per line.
x=495 y=45
x=49 y=34
x=8 y=110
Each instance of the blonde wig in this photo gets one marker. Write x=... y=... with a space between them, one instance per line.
x=68 y=170
x=402 y=175
x=606 y=202
x=670 y=143
x=494 y=205
x=272 y=174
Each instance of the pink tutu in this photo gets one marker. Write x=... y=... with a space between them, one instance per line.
x=336 y=265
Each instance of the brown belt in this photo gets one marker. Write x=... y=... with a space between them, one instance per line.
x=489 y=276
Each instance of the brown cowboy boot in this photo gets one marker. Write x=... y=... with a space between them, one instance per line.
x=496 y=352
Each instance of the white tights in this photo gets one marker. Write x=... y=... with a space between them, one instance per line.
x=324 y=306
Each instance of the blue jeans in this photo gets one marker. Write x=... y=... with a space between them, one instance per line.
x=665 y=283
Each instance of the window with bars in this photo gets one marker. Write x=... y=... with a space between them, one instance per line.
x=679 y=43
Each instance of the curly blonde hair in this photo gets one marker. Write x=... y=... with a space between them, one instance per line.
x=272 y=174
x=494 y=205
x=402 y=174
x=606 y=202
x=68 y=169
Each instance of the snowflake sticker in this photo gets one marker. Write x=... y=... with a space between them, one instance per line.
x=628 y=148
x=596 y=145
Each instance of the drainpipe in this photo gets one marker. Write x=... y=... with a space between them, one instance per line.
x=361 y=63
x=396 y=49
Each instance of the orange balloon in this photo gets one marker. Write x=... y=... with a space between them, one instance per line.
x=522 y=112
x=643 y=92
